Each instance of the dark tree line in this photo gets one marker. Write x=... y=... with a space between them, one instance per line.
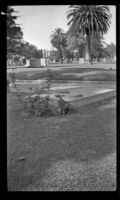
x=15 y=41
x=66 y=44
x=72 y=44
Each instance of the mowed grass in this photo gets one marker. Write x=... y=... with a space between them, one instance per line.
x=36 y=144
x=97 y=65
x=103 y=75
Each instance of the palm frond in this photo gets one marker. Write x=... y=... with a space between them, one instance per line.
x=89 y=18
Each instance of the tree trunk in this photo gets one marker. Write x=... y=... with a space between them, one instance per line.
x=87 y=52
x=60 y=55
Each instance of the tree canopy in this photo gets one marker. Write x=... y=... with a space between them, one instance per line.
x=110 y=49
x=30 y=51
x=58 y=40
x=88 y=20
x=14 y=32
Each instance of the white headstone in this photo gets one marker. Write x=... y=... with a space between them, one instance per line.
x=115 y=58
x=81 y=60
x=43 y=62
x=27 y=63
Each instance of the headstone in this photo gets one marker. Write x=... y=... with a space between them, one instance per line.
x=104 y=59
x=43 y=62
x=35 y=62
x=81 y=60
x=115 y=58
x=74 y=59
x=27 y=63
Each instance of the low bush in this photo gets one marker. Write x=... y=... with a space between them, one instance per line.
x=45 y=105
x=41 y=102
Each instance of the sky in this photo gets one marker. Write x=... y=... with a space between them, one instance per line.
x=38 y=22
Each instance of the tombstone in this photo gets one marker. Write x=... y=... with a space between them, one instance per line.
x=54 y=61
x=81 y=60
x=115 y=58
x=43 y=62
x=35 y=62
x=27 y=63
x=65 y=60
x=48 y=61
x=104 y=60
x=74 y=60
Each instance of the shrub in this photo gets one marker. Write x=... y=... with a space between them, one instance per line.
x=40 y=103
x=46 y=106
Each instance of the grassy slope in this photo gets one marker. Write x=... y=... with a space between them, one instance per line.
x=88 y=134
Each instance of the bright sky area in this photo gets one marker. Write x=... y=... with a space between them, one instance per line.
x=38 y=22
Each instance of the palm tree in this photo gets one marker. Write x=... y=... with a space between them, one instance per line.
x=88 y=20
x=58 y=40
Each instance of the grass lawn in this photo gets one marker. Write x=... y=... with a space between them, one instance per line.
x=88 y=80
x=97 y=65
x=41 y=152
x=79 y=87
x=103 y=75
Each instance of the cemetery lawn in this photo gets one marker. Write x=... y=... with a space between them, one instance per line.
x=64 y=74
x=34 y=144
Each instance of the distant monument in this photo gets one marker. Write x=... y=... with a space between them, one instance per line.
x=81 y=60
x=43 y=62
x=34 y=62
x=27 y=63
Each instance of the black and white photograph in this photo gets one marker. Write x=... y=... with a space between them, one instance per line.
x=61 y=97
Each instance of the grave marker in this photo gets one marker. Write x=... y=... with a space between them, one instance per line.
x=43 y=62
x=35 y=62
x=81 y=60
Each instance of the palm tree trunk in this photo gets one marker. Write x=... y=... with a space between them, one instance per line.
x=61 y=55
x=87 y=53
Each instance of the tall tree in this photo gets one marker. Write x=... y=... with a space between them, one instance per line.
x=88 y=20
x=73 y=41
x=14 y=32
x=76 y=42
x=58 y=40
x=53 y=55
x=111 y=50
x=96 y=47
x=30 y=51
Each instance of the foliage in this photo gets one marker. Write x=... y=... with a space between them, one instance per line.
x=14 y=32
x=66 y=44
x=53 y=55
x=39 y=103
x=58 y=40
x=88 y=20
x=15 y=43
x=74 y=41
x=96 y=47
x=110 y=50
x=30 y=51
x=67 y=54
